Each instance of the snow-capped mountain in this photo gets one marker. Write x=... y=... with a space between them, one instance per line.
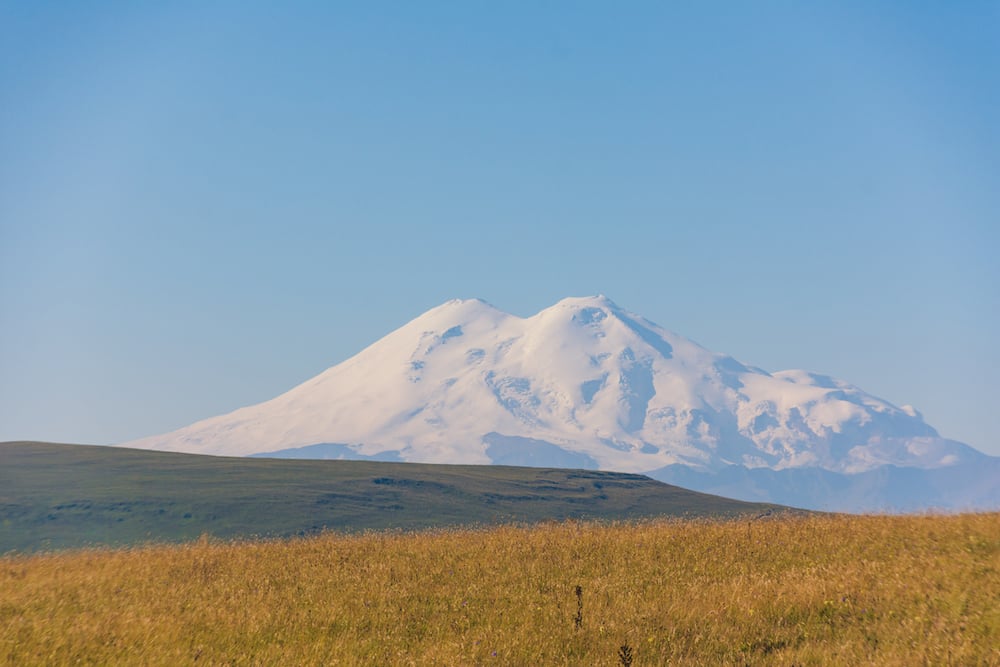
x=584 y=383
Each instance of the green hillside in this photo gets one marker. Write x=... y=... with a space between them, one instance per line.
x=55 y=496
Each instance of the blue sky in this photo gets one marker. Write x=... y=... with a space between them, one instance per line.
x=203 y=204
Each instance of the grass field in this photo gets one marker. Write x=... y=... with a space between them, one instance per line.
x=795 y=590
x=56 y=496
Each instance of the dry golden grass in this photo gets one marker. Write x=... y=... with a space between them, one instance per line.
x=815 y=590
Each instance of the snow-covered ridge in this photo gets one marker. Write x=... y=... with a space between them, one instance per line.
x=584 y=381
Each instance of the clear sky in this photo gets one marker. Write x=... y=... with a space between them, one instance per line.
x=203 y=204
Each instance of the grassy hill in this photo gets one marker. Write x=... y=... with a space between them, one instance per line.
x=789 y=590
x=55 y=496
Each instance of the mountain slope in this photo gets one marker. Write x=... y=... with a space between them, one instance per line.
x=583 y=383
x=60 y=496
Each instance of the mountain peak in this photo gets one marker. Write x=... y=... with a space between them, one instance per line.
x=461 y=310
x=585 y=310
x=463 y=302
x=596 y=301
x=459 y=304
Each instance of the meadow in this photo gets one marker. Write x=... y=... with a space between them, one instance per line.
x=58 y=496
x=779 y=590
